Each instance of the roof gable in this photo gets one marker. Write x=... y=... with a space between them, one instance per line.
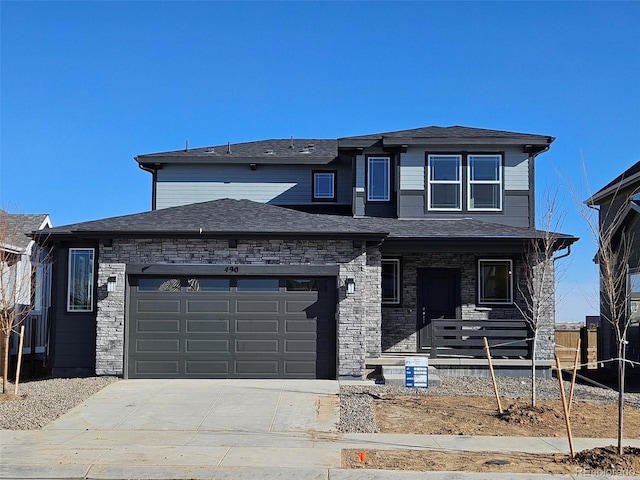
x=16 y=228
x=625 y=180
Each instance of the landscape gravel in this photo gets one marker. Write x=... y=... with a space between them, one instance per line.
x=356 y=401
x=42 y=401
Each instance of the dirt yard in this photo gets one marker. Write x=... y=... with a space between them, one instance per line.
x=477 y=415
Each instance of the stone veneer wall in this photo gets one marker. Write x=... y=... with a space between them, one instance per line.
x=399 y=323
x=358 y=315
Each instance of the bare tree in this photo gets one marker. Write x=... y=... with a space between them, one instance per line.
x=614 y=241
x=19 y=268
x=537 y=285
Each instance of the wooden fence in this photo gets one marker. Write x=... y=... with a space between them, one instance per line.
x=566 y=341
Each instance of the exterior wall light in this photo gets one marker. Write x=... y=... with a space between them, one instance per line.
x=111 y=284
x=351 y=285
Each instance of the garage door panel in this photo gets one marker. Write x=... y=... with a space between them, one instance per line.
x=298 y=368
x=235 y=333
x=209 y=325
x=257 y=325
x=207 y=367
x=258 y=306
x=159 y=305
x=158 y=326
x=299 y=306
x=267 y=368
x=299 y=326
x=208 y=306
x=257 y=346
x=158 y=346
x=169 y=367
x=297 y=346
x=213 y=346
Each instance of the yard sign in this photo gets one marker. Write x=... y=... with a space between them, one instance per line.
x=416 y=372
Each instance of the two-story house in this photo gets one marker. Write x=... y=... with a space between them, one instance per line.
x=307 y=258
x=25 y=272
x=618 y=205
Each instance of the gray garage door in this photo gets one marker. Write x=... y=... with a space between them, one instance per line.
x=216 y=327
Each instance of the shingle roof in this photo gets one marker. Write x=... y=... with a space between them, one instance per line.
x=455 y=131
x=322 y=151
x=263 y=151
x=237 y=218
x=16 y=227
x=630 y=175
x=219 y=218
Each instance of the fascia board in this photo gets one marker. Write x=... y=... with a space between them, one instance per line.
x=395 y=141
x=203 y=159
x=599 y=196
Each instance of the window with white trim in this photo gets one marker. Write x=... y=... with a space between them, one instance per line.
x=391 y=281
x=324 y=186
x=495 y=281
x=80 y=280
x=378 y=179
x=445 y=182
x=484 y=190
x=633 y=283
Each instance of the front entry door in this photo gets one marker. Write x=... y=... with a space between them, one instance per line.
x=438 y=297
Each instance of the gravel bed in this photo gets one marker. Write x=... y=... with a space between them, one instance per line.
x=46 y=400
x=356 y=401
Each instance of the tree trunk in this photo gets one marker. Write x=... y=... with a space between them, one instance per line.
x=621 y=373
x=533 y=368
x=5 y=361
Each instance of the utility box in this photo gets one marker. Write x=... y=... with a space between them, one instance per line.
x=416 y=372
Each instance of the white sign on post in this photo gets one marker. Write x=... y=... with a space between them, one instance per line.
x=416 y=372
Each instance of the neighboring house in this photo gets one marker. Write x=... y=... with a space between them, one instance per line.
x=618 y=205
x=308 y=259
x=26 y=277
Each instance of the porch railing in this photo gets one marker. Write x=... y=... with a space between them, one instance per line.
x=463 y=338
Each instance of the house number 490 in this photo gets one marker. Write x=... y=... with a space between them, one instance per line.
x=231 y=269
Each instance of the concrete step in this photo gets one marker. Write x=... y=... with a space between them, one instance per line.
x=394 y=375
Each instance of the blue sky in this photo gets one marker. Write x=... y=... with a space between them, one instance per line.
x=86 y=86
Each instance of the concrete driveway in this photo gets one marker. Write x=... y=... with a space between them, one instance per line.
x=208 y=405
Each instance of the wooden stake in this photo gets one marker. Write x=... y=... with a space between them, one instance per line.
x=493 y=377
x=573 y=377
x=15 y=388
x=564 y=407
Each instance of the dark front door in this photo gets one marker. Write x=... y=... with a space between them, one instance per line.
x=438 y=297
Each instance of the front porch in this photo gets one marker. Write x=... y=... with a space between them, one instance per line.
x=457 y=349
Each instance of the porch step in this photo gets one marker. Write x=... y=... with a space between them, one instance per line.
x=394 y=375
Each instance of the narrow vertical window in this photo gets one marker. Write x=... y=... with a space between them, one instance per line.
x=391 y=281
x=324 y=186
x=485 y=182
x=378 y=179
x=445 y=182
x=495 y=281
x=80 y=278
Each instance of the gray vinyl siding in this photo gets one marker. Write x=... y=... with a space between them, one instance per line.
x=516 y=186
x=275 y=184
x=412 y=170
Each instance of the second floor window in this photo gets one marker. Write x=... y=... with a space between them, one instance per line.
x=324 y=186
x=445 y=182
x=485 y=182
x=378 y=179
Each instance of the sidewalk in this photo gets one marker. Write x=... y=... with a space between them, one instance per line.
x=60 y=454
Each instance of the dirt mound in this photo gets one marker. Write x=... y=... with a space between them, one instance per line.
x=607 y=458
x=528 y=415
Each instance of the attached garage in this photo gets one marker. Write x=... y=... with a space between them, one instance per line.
x=189 y=326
